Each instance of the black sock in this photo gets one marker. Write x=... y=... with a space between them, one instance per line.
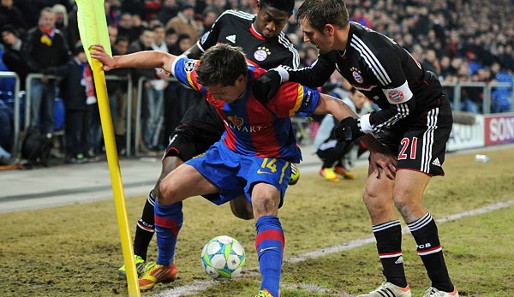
x=389 y=246
x=429 y=249
x=145 y=228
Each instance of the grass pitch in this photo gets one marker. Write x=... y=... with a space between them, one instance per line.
x=75 y=250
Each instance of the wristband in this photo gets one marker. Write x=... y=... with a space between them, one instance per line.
x=365 y=125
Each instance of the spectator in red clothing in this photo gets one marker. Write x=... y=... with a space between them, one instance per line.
x=359 y=17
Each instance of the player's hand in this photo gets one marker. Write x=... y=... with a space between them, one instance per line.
x=348 y=130
x=97 y=51
x=266 y=86
x=383 y=162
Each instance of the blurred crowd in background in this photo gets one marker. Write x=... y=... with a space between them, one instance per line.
x=459 y=40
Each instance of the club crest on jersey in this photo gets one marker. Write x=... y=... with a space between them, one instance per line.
x=189 y=65
x=261 y=53
x=357 y=75
x=204 y=37
x=236 y=121
x=395 y=95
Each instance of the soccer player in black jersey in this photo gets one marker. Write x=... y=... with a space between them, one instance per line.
x=264 y=44
x=415 y=121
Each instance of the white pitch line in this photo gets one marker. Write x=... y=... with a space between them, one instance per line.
x=199 y=286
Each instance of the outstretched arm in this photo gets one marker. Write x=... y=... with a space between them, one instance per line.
x=142 y=59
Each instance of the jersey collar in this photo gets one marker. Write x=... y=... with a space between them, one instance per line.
x=255 y=33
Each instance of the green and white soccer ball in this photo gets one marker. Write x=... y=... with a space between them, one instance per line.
x=223 y=257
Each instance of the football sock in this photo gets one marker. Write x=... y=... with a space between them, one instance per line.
x=389 y=246
x=145 y=228
x=429 y=249
x=168 y=221
x=269 y=243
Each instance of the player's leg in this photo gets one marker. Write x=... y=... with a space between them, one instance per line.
x=270 y=237
x=183 y=182
x=242 y=209
x=267 y=182
x=408 y=196
x=388 y=234
x=181 y=140
x=145 y=225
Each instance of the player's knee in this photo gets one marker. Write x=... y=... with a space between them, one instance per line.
x=265 y=206
x=409 y=206
x=166 y=193
x=375 y=202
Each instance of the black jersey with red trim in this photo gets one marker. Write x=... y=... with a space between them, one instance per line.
x=381 y=69
x=236 y=28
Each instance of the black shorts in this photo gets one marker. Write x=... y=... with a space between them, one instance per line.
x=420 y=142
x=187 y=141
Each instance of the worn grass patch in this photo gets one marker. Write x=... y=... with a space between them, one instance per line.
x=75 y=250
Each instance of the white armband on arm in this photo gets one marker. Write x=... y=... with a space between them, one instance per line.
x=366 y=126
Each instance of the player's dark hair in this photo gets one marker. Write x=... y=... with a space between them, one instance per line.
x=322 y=12
x=221 y=65
x=284 y=5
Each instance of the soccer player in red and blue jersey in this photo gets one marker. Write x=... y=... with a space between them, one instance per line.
x=264 y=44
x=252 y=158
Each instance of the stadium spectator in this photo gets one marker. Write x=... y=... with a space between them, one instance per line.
x=143 y=43
x=210 y=14
x=184 y=22
x=126 y=27
x=12 y=56
x=77 y=91
x=233 y=166
x=61 y=23
x=117 y=90
x=415 y=117
x=152 y=8
x=154 y=99
x=169 y=10
x=112 y=13
x=182 y=98
x=113 y=34
x=13 y=16
x=44 y=47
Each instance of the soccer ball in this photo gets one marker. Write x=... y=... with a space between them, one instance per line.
x=223 y=257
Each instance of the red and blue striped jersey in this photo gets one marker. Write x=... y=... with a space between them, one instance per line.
x=251 y=127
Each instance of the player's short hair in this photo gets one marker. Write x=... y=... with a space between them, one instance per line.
x=284 y=5
x=322 y=12
x=221 y=65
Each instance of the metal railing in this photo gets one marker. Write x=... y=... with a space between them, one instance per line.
x=28 y=87
x=32 y=76
x=17 y=115
x=486 y=91
x=139 y=100
x=128 y=123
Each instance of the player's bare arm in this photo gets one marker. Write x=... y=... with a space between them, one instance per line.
x=142 y=59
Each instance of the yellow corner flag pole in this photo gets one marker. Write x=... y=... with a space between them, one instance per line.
x=93 y=30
